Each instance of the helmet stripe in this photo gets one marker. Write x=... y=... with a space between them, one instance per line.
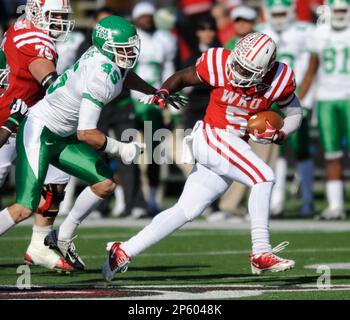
x=264 y=44
x=262 y=37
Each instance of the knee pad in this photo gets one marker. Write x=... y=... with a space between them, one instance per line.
x=53 y=197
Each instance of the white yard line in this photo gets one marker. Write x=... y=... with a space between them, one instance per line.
x=205 y=253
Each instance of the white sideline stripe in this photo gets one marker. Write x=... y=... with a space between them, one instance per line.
x=206 y=253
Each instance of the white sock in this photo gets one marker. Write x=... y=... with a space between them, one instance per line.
x=39 y=234
x=86 y=202
x=258 y=206
x=335 y=196
x=162 y=225
x=279 y=190
x=6 y=221
x=67 y=203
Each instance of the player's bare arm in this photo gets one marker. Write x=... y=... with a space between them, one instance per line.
x=309 y=76
x=43 y=71
x=181 y=79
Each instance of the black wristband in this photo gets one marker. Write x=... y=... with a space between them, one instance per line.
x=10 y=125
x=49 y=80
x=103 y=148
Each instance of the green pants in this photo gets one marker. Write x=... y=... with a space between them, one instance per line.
x=37 y=147
x=334 y=125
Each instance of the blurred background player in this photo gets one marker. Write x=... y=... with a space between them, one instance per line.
x=31 y=55
x=329 y=66
x=292 y=39
x=155 y=64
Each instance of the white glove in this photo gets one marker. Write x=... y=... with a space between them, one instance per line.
x=128 y=152
x=131 y=151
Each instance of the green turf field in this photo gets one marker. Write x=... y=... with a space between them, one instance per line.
x=193 y=263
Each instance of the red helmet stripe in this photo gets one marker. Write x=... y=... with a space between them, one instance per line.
x=264 y=44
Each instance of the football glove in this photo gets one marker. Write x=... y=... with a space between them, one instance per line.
x=128 y=152
x=19 y=111
x=162 y=98
x=270 y=135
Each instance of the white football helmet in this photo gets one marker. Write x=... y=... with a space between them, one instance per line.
x=250 y=60
x=340 y=13
x=279 y=13
x=52 y=16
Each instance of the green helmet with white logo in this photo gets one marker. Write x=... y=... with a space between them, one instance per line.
x=340 y=13
x=116 y=38
x=279 y=13
x=4 y=73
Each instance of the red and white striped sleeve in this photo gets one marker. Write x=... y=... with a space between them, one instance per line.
x=283 y=85
x=210 y=67
x=34 y=45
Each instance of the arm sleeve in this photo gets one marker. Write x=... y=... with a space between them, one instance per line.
x=89 y=115
x=294 y=116
x=98 y=92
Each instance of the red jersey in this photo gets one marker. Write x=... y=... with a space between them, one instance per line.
x=23 y=43
x=230 y=107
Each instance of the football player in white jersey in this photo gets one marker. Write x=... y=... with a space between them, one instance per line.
x=291 y=38
x=62 y=130
x=330 y=63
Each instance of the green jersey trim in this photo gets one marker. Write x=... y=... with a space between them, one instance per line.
x=88 y=96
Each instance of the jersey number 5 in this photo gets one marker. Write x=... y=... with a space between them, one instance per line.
x=237 y=117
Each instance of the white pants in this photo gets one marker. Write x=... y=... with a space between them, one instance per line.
x=222 y=158
x=229 y=156
x=8 y=155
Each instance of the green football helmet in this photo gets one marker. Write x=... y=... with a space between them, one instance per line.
x=4 y=74
x=279 y=13
x=116 y=38
x=340 y=13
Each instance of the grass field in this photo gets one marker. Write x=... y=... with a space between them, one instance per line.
x=191 y=264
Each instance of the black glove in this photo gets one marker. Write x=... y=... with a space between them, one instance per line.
x=19 y=111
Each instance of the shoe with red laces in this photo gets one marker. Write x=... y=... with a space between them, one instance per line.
x=269 y=262
x=117 y=261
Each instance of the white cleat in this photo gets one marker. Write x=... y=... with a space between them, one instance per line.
x=333 y=214
x=40 y=255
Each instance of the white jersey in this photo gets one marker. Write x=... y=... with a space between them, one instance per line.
x=93 y=81
x=293 y=49
x=333 y=50
x=67 y=51
x=156 y=61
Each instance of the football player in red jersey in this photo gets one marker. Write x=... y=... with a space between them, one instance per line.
x=242 y=83
x=31 y=56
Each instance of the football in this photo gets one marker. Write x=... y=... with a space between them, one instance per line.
x=257 y=121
